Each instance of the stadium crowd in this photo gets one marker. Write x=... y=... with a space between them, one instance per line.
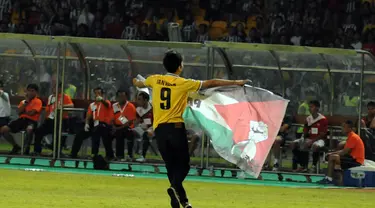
x=321 y=23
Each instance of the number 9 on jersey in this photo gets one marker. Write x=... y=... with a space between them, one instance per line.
x=165 y=97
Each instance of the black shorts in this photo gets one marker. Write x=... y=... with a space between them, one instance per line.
x=4 y=121
x=348 y=162
x=21 y=124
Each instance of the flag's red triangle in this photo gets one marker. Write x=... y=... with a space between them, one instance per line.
x=239 y=115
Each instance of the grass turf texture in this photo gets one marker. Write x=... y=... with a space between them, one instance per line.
x=47 y=189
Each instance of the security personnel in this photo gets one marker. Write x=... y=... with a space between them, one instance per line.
x=169 y=98
x=48 y=125
x=98 y=125
x=124 y=116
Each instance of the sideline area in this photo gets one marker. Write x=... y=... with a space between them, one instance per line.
x=144 y=171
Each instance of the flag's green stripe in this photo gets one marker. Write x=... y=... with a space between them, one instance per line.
x=220 y=136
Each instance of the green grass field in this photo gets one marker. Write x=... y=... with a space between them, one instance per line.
x=48 y=189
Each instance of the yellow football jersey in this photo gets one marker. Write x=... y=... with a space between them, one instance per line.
x=169 y=96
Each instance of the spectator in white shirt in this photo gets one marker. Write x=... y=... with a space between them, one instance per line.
x=75 y=11
x=357 y=44
x=43 y=28
x=130 y=32
x=86 y=17
x=202 y=34
x=296 y=38
x=349 y=24
x=4 y=106
x=111 y=16
x=5 y=6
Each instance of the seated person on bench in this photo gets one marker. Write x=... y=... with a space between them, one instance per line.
x=144 y=123
x=29 y=113
x=315 y=133
x=279 y=142
x=48 y=125
x=352 y=155
x=193 y=138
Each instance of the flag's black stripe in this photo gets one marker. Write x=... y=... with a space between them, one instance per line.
x=246 y=94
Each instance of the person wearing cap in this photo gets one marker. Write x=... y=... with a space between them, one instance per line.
x=29 y=113
x=49 y=123
x=98 y=125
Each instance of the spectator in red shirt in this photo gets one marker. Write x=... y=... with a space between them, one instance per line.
x=314 y=136
x=29 y=112
x=124 y=116
x=115 y=28
x=48 y=125
x=98 y=125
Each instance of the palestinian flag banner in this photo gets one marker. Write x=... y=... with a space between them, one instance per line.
x=241 y=122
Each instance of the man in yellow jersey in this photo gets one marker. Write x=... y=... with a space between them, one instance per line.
x=169 y=98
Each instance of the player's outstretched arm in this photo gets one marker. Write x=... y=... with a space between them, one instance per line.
x=222 y=82
x=138 y=83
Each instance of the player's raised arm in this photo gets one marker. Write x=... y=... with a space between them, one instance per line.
x=222 y=82
x=138 y=83
x=146 y=83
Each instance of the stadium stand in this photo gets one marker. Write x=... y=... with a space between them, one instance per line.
x=324 y=23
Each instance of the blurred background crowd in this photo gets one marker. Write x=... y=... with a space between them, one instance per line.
x=322 y=23
x=346 y=24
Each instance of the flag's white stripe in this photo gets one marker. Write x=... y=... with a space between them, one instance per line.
x=207 y=107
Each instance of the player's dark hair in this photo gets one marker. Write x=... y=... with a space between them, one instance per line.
x=349 y=123
x=144 y=95
x=1 y=83
x=315 y=103
x=172 y=61
x=33 y=87
x=98 y=88
x=371 y=104
x=123 y=91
